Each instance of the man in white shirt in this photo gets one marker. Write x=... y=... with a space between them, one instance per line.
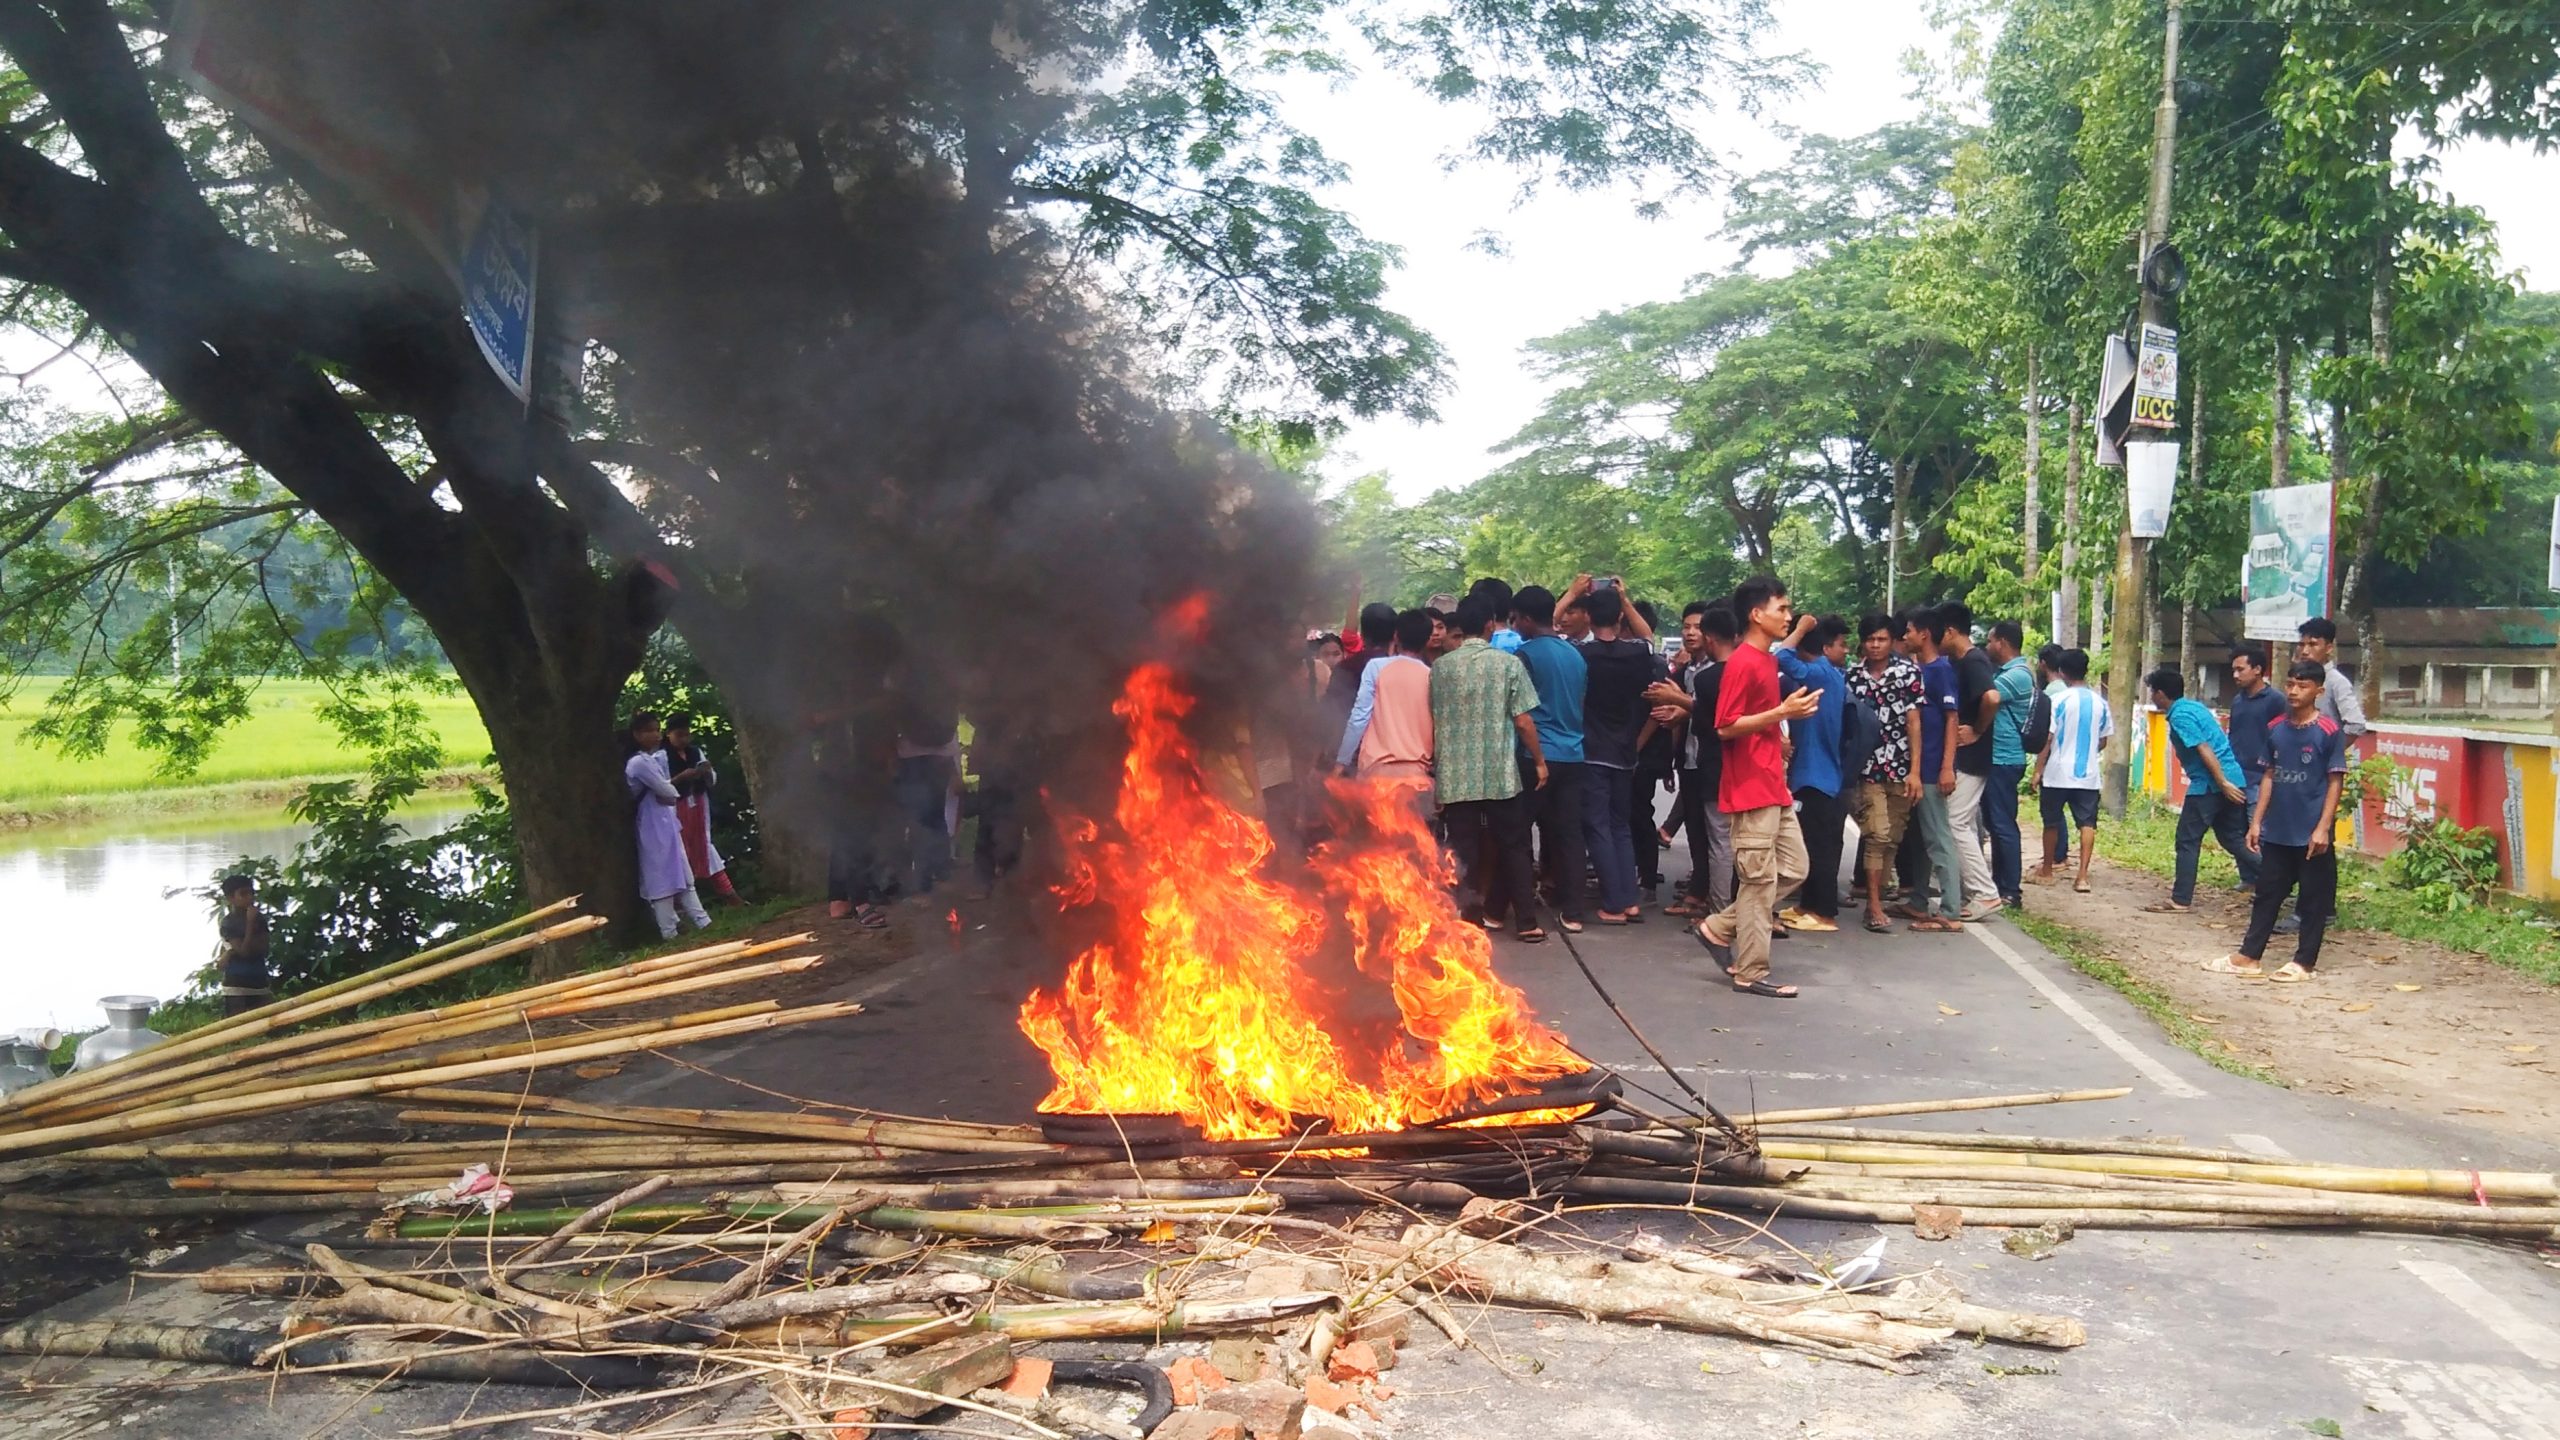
x=2067 y=770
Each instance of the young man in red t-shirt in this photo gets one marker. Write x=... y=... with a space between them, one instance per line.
x=1768 y=849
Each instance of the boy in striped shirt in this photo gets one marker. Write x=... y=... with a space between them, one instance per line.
x=2066 y=775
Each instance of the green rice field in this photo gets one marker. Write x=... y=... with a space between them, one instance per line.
x=283 y=739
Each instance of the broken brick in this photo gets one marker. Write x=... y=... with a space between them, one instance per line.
x=1269 y=1409
x=1353 y=1361
x=1936 y=1222
x=1193 y=1378
x=1030 y=1378
x=1242 y=1358
x=1200 y=1425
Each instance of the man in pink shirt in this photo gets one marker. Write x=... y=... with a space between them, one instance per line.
x=1390 y=731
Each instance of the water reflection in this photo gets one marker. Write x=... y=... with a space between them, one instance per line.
x=104 y=910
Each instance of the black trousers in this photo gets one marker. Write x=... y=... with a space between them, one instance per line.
x=1642 y=828
x=1491 y=840
x=1819 y=816
x=1695 y=796
x=1911 y=856
x=2280 y=868
x=1554 y=810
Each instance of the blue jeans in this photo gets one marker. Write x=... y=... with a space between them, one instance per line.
x=2000 y=818
x=2206 y=809
x=1604 y=833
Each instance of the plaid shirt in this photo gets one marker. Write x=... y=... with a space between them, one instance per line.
x=1894 y=694
x=1476 y=691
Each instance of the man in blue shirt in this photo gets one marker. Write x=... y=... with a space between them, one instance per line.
x=1812 y=662
x=2015 y=681
x=1556 y=667
x=2295 y=818
x=2255 y=708
x=2215 y=800
x=1937 y=780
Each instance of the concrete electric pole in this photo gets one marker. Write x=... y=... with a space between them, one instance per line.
x=2133 y=558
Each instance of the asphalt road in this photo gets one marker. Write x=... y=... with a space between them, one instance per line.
x=2198 y=1334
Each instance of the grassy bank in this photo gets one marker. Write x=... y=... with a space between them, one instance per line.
x=284 y=742
x=2505 y=930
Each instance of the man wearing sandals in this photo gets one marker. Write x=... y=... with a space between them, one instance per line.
x=2215 y=800
x=2066 y=776
x=2296 y=817
x=1891 y=785
x=1768 y=848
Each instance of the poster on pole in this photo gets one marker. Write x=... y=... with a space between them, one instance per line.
x=2553 y=579
x=2155 y=379
x=2284 y=574
x=497 y=293
x=2150 y=483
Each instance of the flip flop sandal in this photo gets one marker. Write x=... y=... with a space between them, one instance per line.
x=1570 y=927
x=1879 y=927
x=1532 y=936
x=1682 y=909
x=2168 y=907
x=1767 y=990
x=2081 y=886
x=1935 y=926
x=2225 y=965
x=1608 y=919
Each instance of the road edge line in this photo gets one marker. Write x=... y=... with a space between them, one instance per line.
x=2158 y=1074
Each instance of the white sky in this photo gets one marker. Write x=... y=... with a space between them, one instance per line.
x=1572 y=255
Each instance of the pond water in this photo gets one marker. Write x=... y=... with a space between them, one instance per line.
x=106 y=910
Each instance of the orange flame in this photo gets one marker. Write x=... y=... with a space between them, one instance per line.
x=1201 y=1003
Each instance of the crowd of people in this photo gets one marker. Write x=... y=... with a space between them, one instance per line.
x=1537 y=728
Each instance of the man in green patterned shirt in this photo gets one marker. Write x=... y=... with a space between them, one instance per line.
x=1480 y=702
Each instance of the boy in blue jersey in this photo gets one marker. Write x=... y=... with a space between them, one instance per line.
x=2297 y=814
x=2067 y=770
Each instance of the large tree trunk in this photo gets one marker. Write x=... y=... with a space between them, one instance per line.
x=2072 y=635
x=1893 y=542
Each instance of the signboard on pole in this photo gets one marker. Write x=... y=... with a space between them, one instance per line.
x=2150 y=483
x=2284 y=574
x=2553 y=579
x=2115 y=399
x=2155 y=379
x=497 y=293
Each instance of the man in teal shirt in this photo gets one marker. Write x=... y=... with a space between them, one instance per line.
x=2016 y=684
x=2215 y=800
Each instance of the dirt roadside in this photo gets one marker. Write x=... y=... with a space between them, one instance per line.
x=2398 y=1023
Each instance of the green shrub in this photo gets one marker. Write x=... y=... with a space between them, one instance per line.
x=2449 y=867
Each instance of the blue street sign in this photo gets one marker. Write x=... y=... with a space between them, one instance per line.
x=497 y=294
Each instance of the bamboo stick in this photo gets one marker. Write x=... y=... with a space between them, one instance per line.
x=2497 y=1184
x=462 y=1018
x=2046 y=1143
x=2341 y=1205
x=1106 y=1320
x=1928 y=1107
x=2130 y=1216
x=1946 y=1307
x=300 y=1009
x=291 y=1097
x=954 y=1136
x=395 y=1065
x=536 y=1120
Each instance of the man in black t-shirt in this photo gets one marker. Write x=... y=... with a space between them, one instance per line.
x=1977 y=699
x=1614 y=713
x=1689 y=700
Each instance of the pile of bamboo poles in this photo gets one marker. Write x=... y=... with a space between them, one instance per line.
x=307 y=1050
x=1846 y=1172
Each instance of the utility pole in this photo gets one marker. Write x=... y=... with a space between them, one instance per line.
x=2133 y=560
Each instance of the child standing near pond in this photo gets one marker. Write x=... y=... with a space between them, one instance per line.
x=246 y=985
x=666 y=880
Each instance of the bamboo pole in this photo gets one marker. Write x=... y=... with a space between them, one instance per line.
x=1928 y=1107
x=2133 y=1215
x=278 y=1016
x=954 y=1137
x=489 y=1011
x=293 y=1097
x=2460 y=1184
x=1105 y=1320
x=2338 y=1204
x=2046 y=1143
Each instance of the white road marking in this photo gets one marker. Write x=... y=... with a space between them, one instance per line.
x=2444 y=1401
x=2152 y=1070
x=2261 y=1145
x=2537 y=1340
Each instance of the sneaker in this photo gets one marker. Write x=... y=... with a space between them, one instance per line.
x=2233 y=965
x=1980 y=911
x=2292 y=973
